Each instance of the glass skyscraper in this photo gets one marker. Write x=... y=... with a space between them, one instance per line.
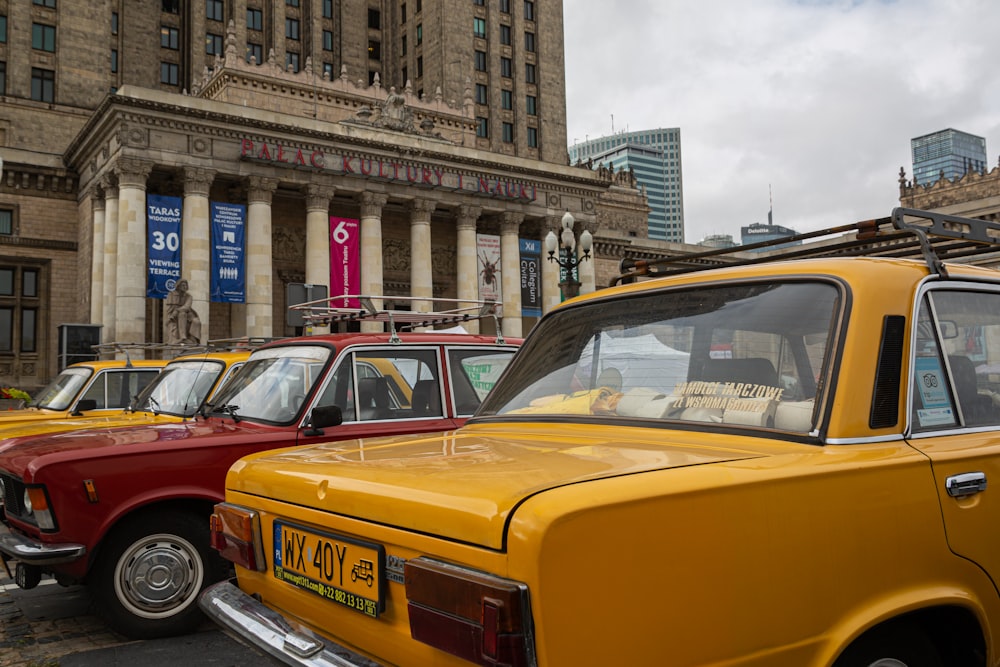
x=655 y=158
x=948 y=153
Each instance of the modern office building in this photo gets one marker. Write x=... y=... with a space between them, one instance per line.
x=654 y=156
x=759 y=232
x=245 y=145
x=948 y=154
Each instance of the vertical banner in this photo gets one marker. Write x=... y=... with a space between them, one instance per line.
x=531 y=278
x=488 y=252
x=163 y=227
x=345 y=261
x=228 y=252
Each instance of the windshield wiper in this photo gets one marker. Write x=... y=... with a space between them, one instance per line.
x=228 y=409
x=154 y=405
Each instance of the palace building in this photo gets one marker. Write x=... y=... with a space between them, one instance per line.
x=387 y=147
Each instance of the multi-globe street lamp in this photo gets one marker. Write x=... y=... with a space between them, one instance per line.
x=568 y=260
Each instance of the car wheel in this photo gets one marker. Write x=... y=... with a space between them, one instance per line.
x=150 y=572
x=900 y=646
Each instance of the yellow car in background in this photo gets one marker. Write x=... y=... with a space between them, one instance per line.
x=89 y=387
x=175 y=394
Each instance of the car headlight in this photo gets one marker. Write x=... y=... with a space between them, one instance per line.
x=36 y=506
x=27 y=502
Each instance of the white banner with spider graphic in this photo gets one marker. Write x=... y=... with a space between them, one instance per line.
x=488 y=252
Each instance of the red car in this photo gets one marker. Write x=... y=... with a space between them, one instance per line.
x=127 y=510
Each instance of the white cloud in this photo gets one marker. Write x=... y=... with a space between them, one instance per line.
x=818 y=100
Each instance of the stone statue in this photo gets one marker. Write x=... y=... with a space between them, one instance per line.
x=181 y=325
x=395 y=114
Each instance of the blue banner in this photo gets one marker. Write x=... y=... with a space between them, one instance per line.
x=531 y=277
x=163 y=254
x=228 y=251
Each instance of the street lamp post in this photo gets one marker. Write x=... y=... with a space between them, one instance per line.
x=570 y=286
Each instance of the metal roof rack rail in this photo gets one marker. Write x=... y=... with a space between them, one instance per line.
x=322 y=312
x=161 y=349
x=239 y=344
x=906 y=233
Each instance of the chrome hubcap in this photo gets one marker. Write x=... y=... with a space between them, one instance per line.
x=158 y=576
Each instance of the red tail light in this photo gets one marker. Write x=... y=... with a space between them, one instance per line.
x=474 y=615
x=235 y=534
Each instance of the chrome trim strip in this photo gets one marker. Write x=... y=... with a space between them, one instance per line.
x=258 y=626
x=864 y=441
x=32 y=552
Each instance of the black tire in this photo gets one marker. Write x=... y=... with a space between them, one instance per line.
x=149 y=574
x=897 y=646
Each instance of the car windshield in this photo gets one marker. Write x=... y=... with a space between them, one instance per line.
x=181 y=387
x=746 y=355
x=59 y=394
x=273 y=384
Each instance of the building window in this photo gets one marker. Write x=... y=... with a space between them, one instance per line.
x=505 y=6
x=292 y=28
x=51 y=4
x=508 y=133
x=213 y=10
x=420 y=66
x=482 y=127
x=371 y=77
x=532 y=137
x=482 y=94
x=255 y=19
x=255 y=51
x=529 y=10
x=43 y=37
x=530 y=105
x=374 y=19
x=328 y=9
x=29 y=283
x=114 y=23
x=169 y=38
x=3 y=29
x=479 y=27
x=406 y=76
x=3 y=84
x=480 y=61
x=43 y=85
x=168 y=73
x=420 y=34
x=505 y=35
x=29 y=319
x=374 y=49
x=327 y=40
x=292 y=3
x=403 y=45
x=479 y=2
x=292 y=61
x=6 y=221
x=213 y=44
x=328 y=70
x=420 y=5
x=529 y=73
x=529 y=42
x=402 y=13
x=114 y=60
x=6 y=329
x=505 y=68
x=170 y=6
x=506 y=99
x=6 y=282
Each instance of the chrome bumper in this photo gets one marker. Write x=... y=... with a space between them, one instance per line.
x=31 y=552
x=258 y=626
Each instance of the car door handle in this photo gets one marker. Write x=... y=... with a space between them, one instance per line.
x=965 y=484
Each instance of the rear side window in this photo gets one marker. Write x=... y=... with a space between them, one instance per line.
x=114 y=390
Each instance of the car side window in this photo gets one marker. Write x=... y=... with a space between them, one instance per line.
x=113 y=390
x=397 y=384
x=956 y=379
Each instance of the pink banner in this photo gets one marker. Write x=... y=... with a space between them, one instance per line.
x=345 y=261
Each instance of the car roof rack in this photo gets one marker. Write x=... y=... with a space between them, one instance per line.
x=323 y=312
x=906 y=233
x=172 y=350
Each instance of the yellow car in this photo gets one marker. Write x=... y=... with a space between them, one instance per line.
x=174 y=394
x=773 y=464
x=89 y=387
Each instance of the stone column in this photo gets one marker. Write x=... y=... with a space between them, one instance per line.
x=130 y=290
x=371 y=251
x=318 y=239
x=421 y=270
x=196 y=260
x=97 y=255
x=510 y=272
x=260 y=311
x=551 y=294
x=110 y=255
x=468 y=283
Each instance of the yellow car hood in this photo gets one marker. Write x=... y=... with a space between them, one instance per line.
x=464 y=484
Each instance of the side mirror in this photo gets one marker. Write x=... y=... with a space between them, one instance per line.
x=322 y=417
x=84 y=405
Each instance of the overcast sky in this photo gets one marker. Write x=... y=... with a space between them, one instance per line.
x=817 y=99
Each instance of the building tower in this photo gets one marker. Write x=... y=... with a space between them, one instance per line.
x=948 y=153
x=655 y=158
